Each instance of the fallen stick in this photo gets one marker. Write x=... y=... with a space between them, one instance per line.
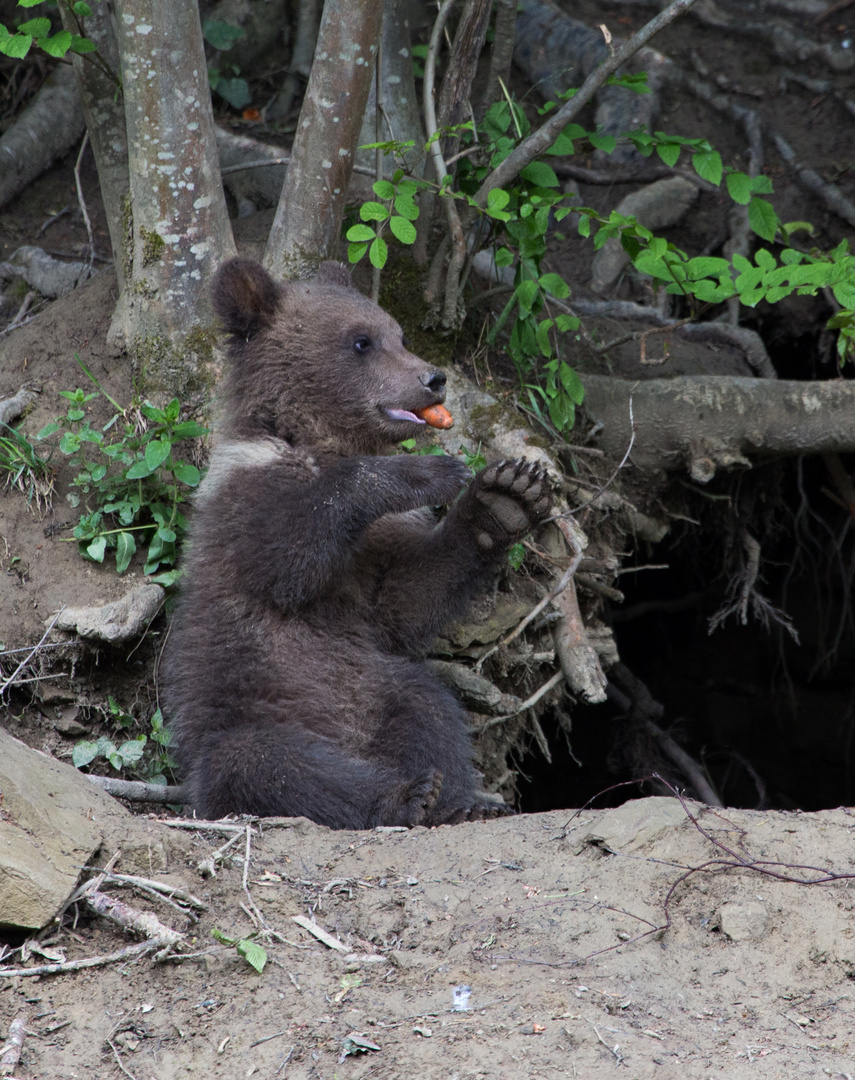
x=321 y=934
x=10 y=1051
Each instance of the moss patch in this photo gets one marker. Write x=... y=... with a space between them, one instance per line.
x=152 y=246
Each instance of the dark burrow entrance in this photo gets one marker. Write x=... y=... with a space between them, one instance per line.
x=769 y=721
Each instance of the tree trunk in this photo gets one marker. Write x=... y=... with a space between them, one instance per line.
x=307 y=226
x=176 y=227
x=702 y=423
x=105 y=122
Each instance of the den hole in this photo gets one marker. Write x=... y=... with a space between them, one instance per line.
x=771 y=722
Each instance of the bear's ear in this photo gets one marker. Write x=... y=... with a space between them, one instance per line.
x=245 y=296
x=335 y=273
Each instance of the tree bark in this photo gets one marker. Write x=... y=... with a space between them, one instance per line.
x=398 y=101
x=176 y=227
x=105 y=121
x=307 y=225
x=702 y=423
x=49 y=126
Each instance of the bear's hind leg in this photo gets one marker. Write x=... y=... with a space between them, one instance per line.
x=273 y=769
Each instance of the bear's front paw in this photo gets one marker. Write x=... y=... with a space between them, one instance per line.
x=436 y=480
x=514 y=497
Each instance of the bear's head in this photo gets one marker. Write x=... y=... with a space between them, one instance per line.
x=316 y=363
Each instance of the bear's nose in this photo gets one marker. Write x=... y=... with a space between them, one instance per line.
x=433 y=380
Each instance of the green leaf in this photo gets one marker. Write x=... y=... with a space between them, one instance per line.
x=497 y=199
x=37 y=28
x=562 y=412
x=383 y=189
x=58 y=45
x=739 y=187
x=403 y=230
x=360 y=233
x=95 y=551
x=378 y=253
x=707 y=165
x=152 y=412
x=543 y=341
x=188 y=429
x=81 y=9
x=125 y=548
x=355 y=252
x=606 y=143
x=762 y=219
x=221 y=35
x=156 y=452
x=253 y=953
x=706 y=266
x=572 y=383
x=235 y=92
x=406 y=208
x=82 y=45
x=187 y=474
x=540 y=174
x=131 y=751
x=526 y=295
x=15 y=45
x=669 y=153
x=373 y=211
x=69 y=443
x=173 y=410
x=567 y=322
x=48 y=430
x=555 y=285
x=138 y=471
x=83 y=753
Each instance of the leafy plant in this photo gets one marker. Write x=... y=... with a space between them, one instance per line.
x=250 y=950
x=145 y=756
x=37 y=32
x=128 y=473
x=24 y=468
x=232 y=89
x=397 y=211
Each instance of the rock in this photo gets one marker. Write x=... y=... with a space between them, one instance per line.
x=475 y=691
x=656 y=206
x=51 y=824
x=629 y=827
x=122 y=620
x=49 y=276
x=744 y=920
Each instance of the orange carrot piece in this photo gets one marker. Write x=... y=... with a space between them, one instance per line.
x=436 y=416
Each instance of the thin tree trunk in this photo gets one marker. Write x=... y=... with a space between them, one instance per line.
x=307 y=225
x=176 y=227
x=103 y=109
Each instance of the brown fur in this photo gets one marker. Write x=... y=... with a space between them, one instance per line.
x=317 y=576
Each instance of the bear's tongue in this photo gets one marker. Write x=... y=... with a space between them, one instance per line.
x=403 y=414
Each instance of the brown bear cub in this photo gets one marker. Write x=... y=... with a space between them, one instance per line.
x=318 y=573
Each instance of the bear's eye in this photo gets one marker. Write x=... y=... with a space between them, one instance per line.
x=362 y=344
x=405 y=341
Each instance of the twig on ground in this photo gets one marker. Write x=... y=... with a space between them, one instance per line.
x=258 y=919
x=26 y=304
x=550 y=684
x=321 y=934
x=11 y=680
x=82 y=204
x=138 y=790
x=558 y=588
x=10 y=1051
x=132 y=952
x=112 y=1046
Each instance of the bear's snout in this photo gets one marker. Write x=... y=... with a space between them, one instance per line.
x=433 y=381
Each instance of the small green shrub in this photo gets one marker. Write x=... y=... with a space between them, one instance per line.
x=143 y=757
x=129 y=481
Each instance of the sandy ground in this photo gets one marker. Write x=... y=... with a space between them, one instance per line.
x=555 y=922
